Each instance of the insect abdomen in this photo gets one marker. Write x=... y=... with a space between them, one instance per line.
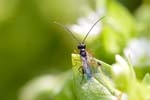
x=88 y=72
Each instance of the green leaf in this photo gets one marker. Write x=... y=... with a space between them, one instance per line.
x=99 y=87
x=146 y=79
x=138 y=91
x=123 y=73
x=48 y=87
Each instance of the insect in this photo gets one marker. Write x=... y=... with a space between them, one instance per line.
x=86 y=68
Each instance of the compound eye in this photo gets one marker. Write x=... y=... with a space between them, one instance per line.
x=79 y=46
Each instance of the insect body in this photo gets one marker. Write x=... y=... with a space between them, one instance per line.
x=86 y=68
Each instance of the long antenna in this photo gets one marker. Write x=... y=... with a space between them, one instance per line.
x=67 y=29
x=91 y=29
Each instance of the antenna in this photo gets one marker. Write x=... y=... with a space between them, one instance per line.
x=67 y=29
x=91 y=29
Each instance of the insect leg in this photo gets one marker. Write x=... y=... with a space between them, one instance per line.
x=99 y=64
x=76 y=61
x=82 y=75
x=81 y=70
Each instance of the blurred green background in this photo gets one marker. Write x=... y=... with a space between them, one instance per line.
x=31 y=45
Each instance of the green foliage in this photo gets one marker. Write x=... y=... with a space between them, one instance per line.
x=100 y=86
x=97 y=88
x=32 y=46
x=118 y=28
x=146 y=79
x=49 y=87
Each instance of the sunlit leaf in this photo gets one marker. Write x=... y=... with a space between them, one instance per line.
x=99 y=87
